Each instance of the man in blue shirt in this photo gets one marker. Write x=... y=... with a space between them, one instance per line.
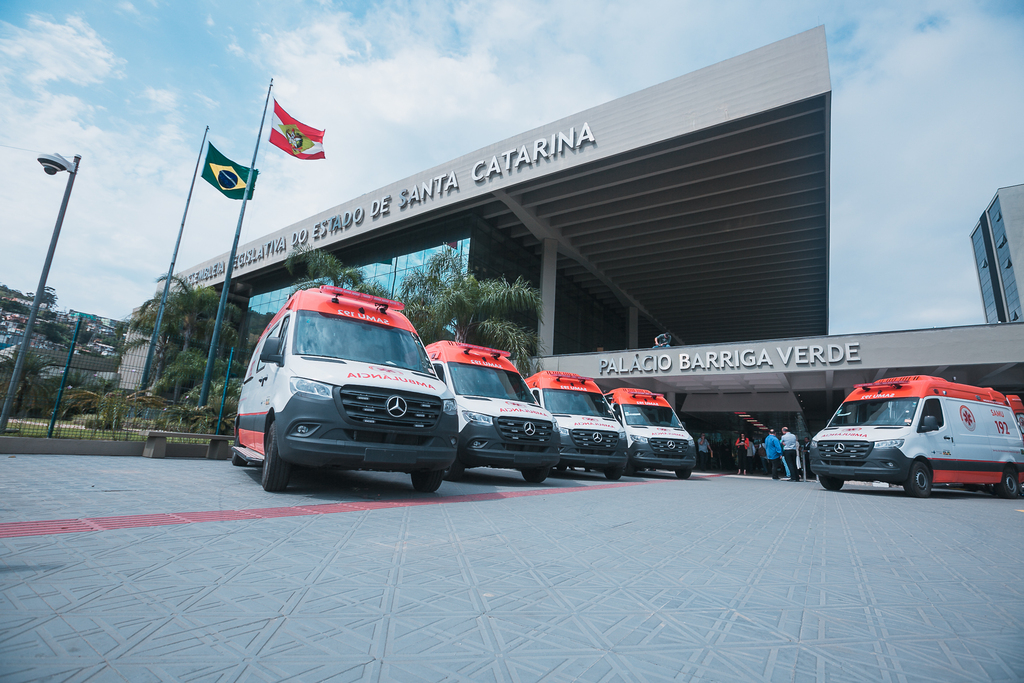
x=773 y=451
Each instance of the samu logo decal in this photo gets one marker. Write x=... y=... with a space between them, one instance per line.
x=967 y=417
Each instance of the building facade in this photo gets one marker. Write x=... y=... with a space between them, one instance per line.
x=998 y=242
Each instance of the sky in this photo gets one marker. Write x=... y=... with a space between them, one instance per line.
x=927 y=104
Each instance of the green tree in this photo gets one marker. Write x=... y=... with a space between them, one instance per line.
x=319 y=268
x=38 y=386
x=446 y=301
x=189 y=316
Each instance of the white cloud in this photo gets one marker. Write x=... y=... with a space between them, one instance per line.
x=925 y=126
x=127 y=7
x=209 y=20
x=46 y=52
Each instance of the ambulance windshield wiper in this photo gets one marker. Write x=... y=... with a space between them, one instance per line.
x=326 y=359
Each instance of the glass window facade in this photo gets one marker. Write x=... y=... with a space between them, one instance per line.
x=583 y=323
x=986 y=273
x=1011 y=293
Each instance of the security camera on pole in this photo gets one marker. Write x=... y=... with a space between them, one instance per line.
x=52 y=165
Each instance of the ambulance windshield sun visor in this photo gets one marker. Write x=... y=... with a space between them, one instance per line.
x=651 y=416
x=564 y=402
x=474 y=380
x=334 y=336
x=892 y=412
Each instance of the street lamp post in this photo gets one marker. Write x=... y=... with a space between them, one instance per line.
x=52 y=164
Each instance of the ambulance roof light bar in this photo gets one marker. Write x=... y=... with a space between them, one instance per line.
x=466 y=348
x=559 y=376
x=640 y=392
x=382 y=304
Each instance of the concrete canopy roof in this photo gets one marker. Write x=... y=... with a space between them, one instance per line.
x=701 y=201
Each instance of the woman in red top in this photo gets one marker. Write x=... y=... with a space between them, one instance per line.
x=742 y=445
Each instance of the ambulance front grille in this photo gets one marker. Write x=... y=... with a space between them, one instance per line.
x=524 y=431
x=595 y=439
x=844 y=449
x=368 y=406
x=669 y=447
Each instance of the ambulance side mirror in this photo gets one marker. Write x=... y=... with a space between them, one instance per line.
x=536 y=395
x=929 y=423
x=271 y=352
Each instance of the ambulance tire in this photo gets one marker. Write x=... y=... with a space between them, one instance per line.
x=1009 y=485
x=276 y=471
x=561 y=468
x=830 y=483
x=613 y=473
x=683 y=474
x=427 y=481
x=919 y=483
x=454 y=471
x=535 y=475
x=237 y=460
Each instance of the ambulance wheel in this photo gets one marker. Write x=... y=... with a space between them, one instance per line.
x=1009 y=485
x=454 y=471
x=535 y=475
x=613 y=473
x=276 y=471
x=237 y=460
x=683 y=474
x=427 y=481
x=830 y=483
x=919 y=483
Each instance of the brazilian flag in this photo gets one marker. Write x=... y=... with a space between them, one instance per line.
x=226 y=175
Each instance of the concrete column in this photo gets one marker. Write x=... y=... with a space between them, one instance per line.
x=634 y=320
x=548 y=270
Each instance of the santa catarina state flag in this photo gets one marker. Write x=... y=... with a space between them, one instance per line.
x=226 y=175
x=297 y=139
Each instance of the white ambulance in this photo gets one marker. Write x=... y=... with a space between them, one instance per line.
x=590 y=435
x=341 y=379
x=921 y=430
x=657 y=439
x=500 y=423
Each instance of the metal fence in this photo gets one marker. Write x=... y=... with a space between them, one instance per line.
x=95 y=392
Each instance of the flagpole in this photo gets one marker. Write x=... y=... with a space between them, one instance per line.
x=170 y=273
x=212 y=357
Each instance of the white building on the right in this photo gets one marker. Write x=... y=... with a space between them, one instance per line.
x=998 y=241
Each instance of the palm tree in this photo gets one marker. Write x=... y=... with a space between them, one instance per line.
x=38 y=385
x=189 y=316
x=321 y=268
x=446 y=301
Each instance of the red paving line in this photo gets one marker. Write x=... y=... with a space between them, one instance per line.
x=75 y=526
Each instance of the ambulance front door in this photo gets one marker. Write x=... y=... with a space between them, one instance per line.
x=939 y=444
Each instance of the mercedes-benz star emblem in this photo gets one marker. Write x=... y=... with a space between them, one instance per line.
x=530 y=428
x=671 y=444
x=397 y=406
x=597 y=437
x=840 y=447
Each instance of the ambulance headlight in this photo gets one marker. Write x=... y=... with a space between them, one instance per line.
x=478 y=418
x=622 y=435
x=564 y=431
x=889 y=443
x=814 y=443
x=637 y=439
x=308 y=387
x=449 y=406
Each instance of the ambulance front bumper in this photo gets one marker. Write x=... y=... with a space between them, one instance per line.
x=642 y=456
x=889 y=465
x=313 y=433
x=482 y=446
x=596 y=460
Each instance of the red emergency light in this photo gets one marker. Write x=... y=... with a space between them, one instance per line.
x=559 y=376
x=483 y=349
x=379 y=302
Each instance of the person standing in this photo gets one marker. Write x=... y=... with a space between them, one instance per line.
x=703 y=452
x=773 y=451
x=762 y=456
x=790 y=448
x=741 y=454
x=751 y=450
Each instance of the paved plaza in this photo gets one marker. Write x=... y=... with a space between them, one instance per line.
x=352 y=576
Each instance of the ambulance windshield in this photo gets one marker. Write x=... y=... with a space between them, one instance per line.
x=333 y=336
x=891 y=412
x=566 y=402
x=651 y=416
x=475 y=380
